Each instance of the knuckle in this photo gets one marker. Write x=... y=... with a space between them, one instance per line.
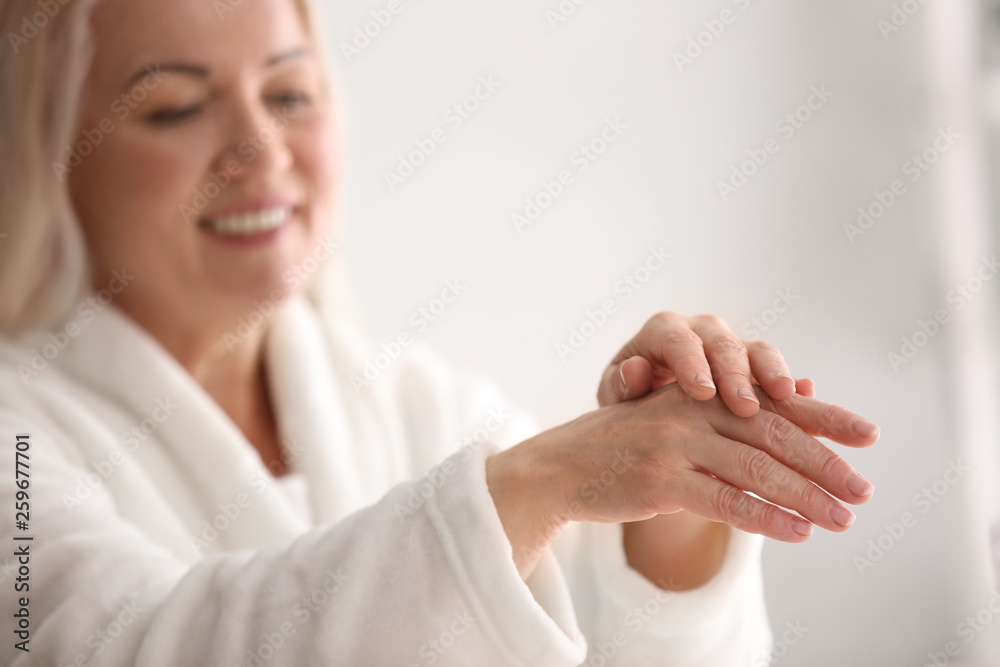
x=778 y=430
x=758 y=466
x=728 y=344
x=710 y=320
x=665 y=319
x=829 y=464
x=802 y=495
x=797 y=460
x=768 y=516
x=681 y=337
x=833 y=420
x=762 y=347
x=729 y=502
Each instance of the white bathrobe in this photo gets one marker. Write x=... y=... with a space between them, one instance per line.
x=160 y=538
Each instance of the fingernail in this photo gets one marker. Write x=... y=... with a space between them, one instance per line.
x=783 y=375
x=858 y=485
x=842 y=515
x=802 y=527
x=621 y=374
x=864 y=428
x=747 y=393
x=704 y=380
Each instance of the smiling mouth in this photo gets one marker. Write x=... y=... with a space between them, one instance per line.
x=250 y=223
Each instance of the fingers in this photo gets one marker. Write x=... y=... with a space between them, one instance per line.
x=825 y=420
x=805 y=387
x=625 y=381
x=716 y=500
x=668 y=342
x=730 y=363
x=781 y=440
x=754 y=470
x=704 y=357
x=770 y=370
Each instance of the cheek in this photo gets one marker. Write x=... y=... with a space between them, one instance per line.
x=129 y=192
x=156 y=177
x=319 y=155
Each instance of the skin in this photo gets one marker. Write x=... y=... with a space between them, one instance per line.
x=699 y=415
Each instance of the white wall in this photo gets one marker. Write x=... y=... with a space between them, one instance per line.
x=656 y=186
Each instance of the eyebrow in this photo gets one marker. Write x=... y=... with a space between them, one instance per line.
x=201 y=72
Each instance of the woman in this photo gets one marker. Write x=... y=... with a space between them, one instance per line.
x=207 y=486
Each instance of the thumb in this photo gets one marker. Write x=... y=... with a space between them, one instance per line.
x=628 y=380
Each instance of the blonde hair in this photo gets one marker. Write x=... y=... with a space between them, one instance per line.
x=43 y=65
x=44 y=267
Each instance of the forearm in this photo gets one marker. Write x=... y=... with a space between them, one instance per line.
x=679 y=551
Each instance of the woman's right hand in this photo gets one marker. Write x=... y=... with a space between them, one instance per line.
x=668 y=452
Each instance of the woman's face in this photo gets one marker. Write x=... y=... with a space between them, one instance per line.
x=214 y=154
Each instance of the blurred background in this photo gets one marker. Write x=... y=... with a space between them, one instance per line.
x=822 y=175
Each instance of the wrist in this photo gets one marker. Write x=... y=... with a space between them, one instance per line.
x=528 y=502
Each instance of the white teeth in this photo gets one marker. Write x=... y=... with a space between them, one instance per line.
x=250 y=223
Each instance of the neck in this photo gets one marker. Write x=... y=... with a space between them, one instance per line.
x=227 y=363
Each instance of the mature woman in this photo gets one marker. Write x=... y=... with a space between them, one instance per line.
x=202 y=482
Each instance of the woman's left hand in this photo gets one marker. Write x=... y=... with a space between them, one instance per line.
x=703 y=356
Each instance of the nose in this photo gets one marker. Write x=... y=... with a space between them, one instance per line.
x=255 y=139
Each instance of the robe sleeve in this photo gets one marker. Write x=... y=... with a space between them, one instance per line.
x=434 y=587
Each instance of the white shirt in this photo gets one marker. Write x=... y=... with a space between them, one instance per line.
x=161 y=539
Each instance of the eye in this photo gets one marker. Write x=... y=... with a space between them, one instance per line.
x=176 y=115
x=290 y=99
